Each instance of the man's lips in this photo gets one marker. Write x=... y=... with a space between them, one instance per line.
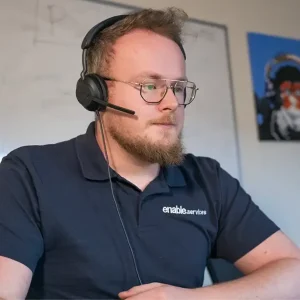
x=165 y=124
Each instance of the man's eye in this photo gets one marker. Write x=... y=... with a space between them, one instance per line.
x=179 y=89
x=149 y=87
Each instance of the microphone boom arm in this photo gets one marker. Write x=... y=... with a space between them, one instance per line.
x=116 y=107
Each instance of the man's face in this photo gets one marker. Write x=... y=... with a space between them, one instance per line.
x=154 y=133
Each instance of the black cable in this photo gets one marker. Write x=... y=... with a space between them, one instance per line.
x=116 y=204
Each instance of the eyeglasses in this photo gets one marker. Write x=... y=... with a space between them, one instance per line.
x=154 y=90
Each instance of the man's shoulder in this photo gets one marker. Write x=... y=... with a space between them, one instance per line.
x=42 y=156
x=203 y=164
x=209 y=172
x=201 y=171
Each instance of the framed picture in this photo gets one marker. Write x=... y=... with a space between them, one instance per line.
x=275 y=67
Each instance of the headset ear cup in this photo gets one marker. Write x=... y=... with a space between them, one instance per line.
x=89 y=89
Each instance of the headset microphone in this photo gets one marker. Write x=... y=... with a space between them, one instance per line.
x=93 y=104
x=116 y=107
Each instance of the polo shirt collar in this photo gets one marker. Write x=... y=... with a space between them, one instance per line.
x=94 y=167
x=91 y=159
x=174 y=176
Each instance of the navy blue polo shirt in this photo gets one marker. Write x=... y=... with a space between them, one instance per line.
x=57 y=217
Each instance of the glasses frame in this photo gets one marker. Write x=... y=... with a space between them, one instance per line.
x=142 y=84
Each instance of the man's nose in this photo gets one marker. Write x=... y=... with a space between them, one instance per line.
x=169 y=102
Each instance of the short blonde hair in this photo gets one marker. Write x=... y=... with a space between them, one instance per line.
x=168 y=22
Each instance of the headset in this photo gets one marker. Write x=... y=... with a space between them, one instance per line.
x=91 y=89
x=92 y=94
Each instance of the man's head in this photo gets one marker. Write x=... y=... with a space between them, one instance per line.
x=140 y=57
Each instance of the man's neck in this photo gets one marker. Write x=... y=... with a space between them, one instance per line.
x=138 y=172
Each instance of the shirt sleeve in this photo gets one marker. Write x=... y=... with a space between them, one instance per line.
x=20 y=234
x=242 y=224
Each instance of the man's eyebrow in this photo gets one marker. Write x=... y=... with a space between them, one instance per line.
x=153 y=75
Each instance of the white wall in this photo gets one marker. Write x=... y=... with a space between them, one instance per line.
x=270 y=171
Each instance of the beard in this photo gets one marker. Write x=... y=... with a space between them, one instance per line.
x=165 y=153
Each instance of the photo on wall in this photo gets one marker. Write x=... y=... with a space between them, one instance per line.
x=275 y=70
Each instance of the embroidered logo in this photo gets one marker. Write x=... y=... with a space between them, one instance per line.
x=182 y=211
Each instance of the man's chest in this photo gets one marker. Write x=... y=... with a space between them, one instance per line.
x=87 y=252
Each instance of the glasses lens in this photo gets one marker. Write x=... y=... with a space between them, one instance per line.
x=153 y=90
x=184 y=92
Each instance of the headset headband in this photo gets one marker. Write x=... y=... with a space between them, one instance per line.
x=90 y=36
x=94 y=31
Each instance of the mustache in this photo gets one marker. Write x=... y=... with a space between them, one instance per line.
x=166 y=119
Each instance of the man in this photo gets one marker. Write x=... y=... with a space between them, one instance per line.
x=143 y=228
